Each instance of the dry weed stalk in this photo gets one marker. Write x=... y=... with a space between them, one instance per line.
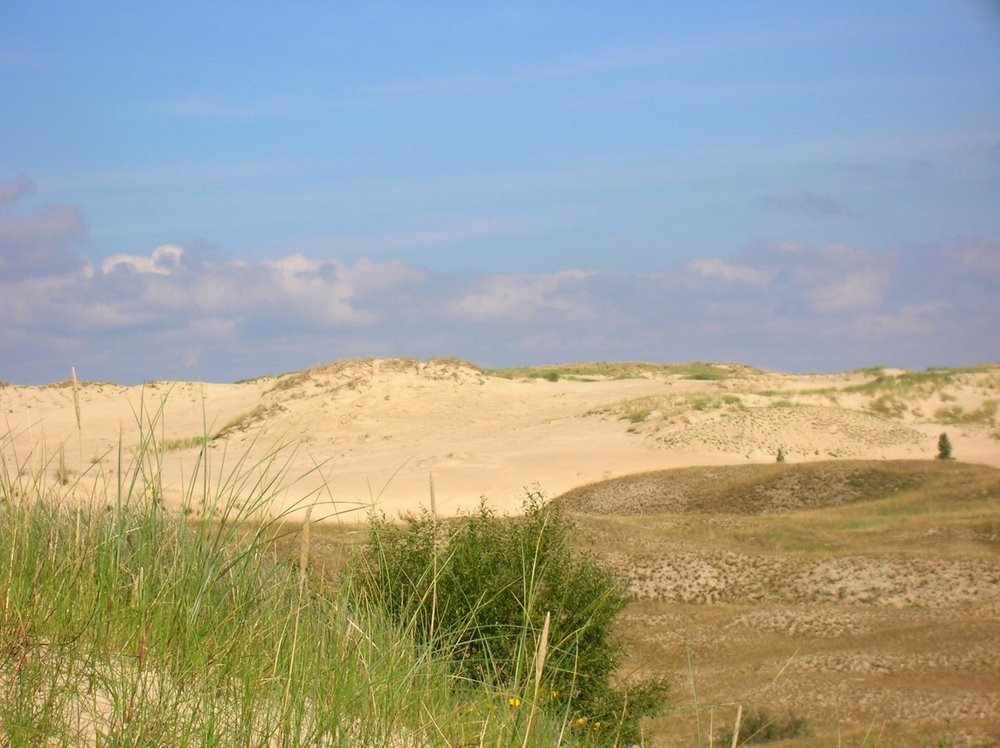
x=304 y=547
x=736 y=727
x=543 y=649
x=76 y=407
x=434 y=558
x=76 y=396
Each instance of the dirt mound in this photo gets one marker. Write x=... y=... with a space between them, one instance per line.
x=759 y=489
x=799 y=431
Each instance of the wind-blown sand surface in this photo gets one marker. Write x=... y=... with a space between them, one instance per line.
x=378 y=429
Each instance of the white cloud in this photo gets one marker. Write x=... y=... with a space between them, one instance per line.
x=523 y=297
x=788 y=306
x=980 y=256
x=730 y=272
x=909 y=320
x=806 y=203
x=14 y=189
x=855 y=291
x=54 y=224
x=162 y=261
x=39 y=244
x=213 y=327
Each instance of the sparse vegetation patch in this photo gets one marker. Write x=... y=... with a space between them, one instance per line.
x=191 y=442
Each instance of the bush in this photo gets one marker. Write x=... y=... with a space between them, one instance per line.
x=944 y=447
x=477 y=588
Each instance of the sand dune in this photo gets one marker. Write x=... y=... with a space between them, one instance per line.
x=380 y=428
x=858 y=587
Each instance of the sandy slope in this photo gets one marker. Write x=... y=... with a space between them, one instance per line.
x=380 y=428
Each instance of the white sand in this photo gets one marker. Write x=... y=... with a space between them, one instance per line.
x=378 y=429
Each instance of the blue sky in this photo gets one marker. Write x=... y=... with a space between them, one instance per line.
x=221 y=190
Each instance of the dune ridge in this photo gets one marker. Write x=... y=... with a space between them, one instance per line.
x=380 y=427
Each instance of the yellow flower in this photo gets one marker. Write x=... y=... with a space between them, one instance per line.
x=597 y=726
x=582 y=721
x=555 y=695
x=514 y=701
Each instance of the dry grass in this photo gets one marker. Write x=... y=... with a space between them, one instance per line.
x=872 y=588
x=697 y=370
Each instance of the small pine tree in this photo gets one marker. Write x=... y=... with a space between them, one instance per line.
x=944 y=447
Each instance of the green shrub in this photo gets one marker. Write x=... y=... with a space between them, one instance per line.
x=478 y=588
x=944 y=447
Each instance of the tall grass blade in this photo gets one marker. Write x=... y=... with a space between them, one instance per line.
x=543 y=648
x=736 y=727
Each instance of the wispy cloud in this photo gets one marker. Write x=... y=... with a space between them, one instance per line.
x=730 y=272
x=787 y=306
x=217 y=107
x=14 y=189
x=38 y=243
x=806 y=203
x=522 y=298
x=174 y=311
x=161 y=262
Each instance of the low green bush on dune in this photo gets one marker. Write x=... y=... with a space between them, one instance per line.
x=479 y=588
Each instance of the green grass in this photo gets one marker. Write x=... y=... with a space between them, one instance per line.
x=624 y=370
x=246 y=420
x=916 y=382
x=985 y=414
x=637 y=414
x=640 y=409
x=190 y=442
x=889 y=391
x=125 y=623
x=871 y=370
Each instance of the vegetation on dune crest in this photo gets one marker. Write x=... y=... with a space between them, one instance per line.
x=624 y=370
